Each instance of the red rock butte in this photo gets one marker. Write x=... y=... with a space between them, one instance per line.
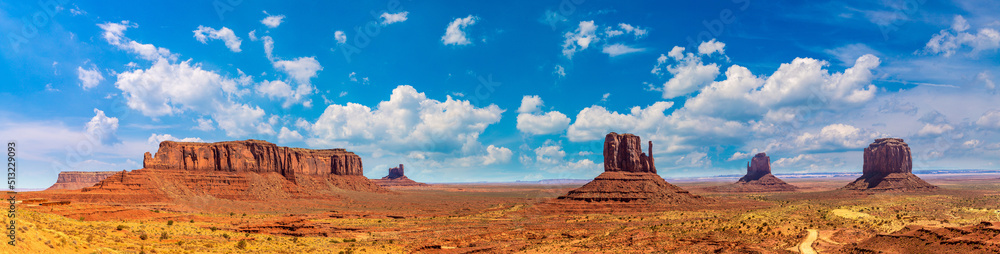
x=888 y=167
x=397 y=177
x=236 y=170
x=75 y=180
x=758 y=178
x=629 y=176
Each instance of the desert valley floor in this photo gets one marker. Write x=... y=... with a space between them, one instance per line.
x=503 y=218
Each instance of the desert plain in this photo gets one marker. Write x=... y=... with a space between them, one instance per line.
x=516 y=217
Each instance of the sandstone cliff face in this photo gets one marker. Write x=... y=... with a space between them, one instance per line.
x=253 y=156
x=73 y=180
x=888 y=167
x=888 y=155
x=396 y=172
x=623 y=153
x=760 y=165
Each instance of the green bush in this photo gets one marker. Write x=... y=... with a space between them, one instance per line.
x=242 y=244
x=170 y=223
x=120 y=227
x=164 y=236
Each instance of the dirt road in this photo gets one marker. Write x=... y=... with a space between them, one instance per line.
x=806 y=246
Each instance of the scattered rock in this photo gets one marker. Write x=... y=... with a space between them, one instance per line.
x=888 y=167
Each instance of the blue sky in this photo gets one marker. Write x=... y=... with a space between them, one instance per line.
x=473 y=91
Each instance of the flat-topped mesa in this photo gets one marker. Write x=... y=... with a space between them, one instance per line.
x=888 y=167
x=759 y=166
x=73 y=180
x=888 y=155
x=395 y=172
x=623 y=152
x=253 y=156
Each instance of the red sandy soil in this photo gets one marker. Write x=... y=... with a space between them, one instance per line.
x=497 y=218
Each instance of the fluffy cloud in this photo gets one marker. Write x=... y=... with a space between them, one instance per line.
x=549 y=153
x=408 y=123
x=89 y=78
x=531 y=120
x=272 y=21
x=157 y=138
x=947 y=42
x=579 y=39
x=587 y=33
x=301 y=69
x=340 y=36
x=835 y=137
x=168 y=89
x=225 y=34
x=990 y=120
x=103 y=128
x=934 y=129
x=268 y=46
x=688 y=74
x=712 y=46
x=593 y=122
x=288 y=136
x=114 y=33
x=389 y=18
x=801 y=85
x=497 y=155
x=455 y=33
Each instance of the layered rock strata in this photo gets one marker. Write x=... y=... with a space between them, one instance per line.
x=397 y=177
x=75 y=180
x=629 y=176
x=888 y=167
x=758 y=178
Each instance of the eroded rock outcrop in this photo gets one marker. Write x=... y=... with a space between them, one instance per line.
x=629 y=176
x=237 y=170
x=75 y=180
x=397 y=177
x=623 y=153
x=758 y=178
x=888 y=167
x=253 y=156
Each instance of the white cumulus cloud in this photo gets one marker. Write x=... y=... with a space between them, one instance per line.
x=225 y=34
x=455 y=34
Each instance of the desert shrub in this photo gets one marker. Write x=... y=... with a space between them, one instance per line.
x=170 y=223
x=242 y=244
x=90 y=238
x=225 y=236
x=350 y=240
x=192 y=221
x=180 y=243
x=231 y=214
x=143 y=235
x=334 y=241
x=120 y=227
x=164 y=236
x=213 y=228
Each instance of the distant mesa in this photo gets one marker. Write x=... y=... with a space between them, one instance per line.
x=629 y=176
x=888 y=167
x=237 y=170
x=396 y=177
x=75 y=180
x=758 y=178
